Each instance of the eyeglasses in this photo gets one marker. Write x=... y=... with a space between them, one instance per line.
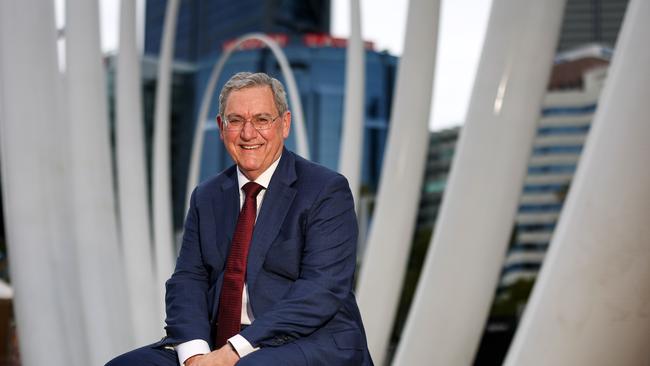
x=259 y=123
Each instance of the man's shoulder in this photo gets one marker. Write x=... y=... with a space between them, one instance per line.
x=216 y=182
x=309 y=169
x=314 y=174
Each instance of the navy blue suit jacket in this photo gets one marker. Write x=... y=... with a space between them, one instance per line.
x=300 y=270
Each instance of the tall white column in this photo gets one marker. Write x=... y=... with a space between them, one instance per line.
x=351 y=151
x=105 y=299
x=161 y=177
x=389 y=242
x=135 y=223
x=33 y=177
x=298 y=118
x=476 y=217
x=65 y=255
x=591 y=301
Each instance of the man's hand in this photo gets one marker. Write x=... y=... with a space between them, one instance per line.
x=224 y=356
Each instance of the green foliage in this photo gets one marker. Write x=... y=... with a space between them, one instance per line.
x=512 y=300
x=419 y=248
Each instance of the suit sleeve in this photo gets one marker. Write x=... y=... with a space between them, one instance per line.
x=326 y=271
x=186 y=290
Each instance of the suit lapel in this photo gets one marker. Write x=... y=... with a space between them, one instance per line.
x=226 y=211
x=276 y=204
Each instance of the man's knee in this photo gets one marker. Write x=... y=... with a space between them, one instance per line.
x=121 y=360
x=289 y=355
x=146 y=356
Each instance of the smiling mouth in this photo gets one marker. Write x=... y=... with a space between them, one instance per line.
x=250 y=147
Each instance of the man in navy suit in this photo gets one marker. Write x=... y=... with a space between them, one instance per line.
x=297 y=304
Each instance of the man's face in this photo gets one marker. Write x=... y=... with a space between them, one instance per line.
x=252 y=150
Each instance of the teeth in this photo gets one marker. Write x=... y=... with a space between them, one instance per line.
x=246 y=147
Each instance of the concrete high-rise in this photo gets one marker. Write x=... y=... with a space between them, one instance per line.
x=591 y=21
x=566 y=116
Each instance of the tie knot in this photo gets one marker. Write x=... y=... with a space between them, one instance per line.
x=252 y=189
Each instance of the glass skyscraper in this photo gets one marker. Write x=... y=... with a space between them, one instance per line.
x=317 y=60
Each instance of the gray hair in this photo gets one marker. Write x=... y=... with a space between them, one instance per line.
x=243 y=80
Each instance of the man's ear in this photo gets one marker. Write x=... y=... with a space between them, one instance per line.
x=286 y=124
x=220 y=125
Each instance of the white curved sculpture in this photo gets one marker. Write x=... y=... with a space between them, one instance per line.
x=161 y=178
x=389 y=242
x=104 y=295
x=302 y=144
x=475 y=221
x=36 y=214
x=591 y=302
x=351 y=151
x=133 y=197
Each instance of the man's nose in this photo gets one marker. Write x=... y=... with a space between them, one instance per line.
x=248 y=132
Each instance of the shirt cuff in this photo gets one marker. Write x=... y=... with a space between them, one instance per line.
x=241 y=345
x=191 y=348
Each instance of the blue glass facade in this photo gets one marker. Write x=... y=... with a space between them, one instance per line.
x=550 y=171
x=203 y=28
x=203 y=25
x=320 y=74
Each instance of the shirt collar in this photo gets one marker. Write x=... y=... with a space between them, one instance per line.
x=264 y=179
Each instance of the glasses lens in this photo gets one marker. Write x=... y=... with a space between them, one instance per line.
x=261 y=123
x=235 y=124
x=258 y=122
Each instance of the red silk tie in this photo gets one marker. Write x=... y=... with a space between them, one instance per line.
x=229 y=314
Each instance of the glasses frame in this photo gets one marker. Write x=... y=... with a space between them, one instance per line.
x=228 y=127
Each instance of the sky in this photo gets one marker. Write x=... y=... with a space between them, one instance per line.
x=460 y=39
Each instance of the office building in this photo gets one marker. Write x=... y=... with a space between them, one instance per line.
x=442 y=146
x=591 y=21
x=206 y=27
x=566 y=116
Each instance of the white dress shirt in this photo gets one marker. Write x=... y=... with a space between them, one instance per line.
x=240 y=344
